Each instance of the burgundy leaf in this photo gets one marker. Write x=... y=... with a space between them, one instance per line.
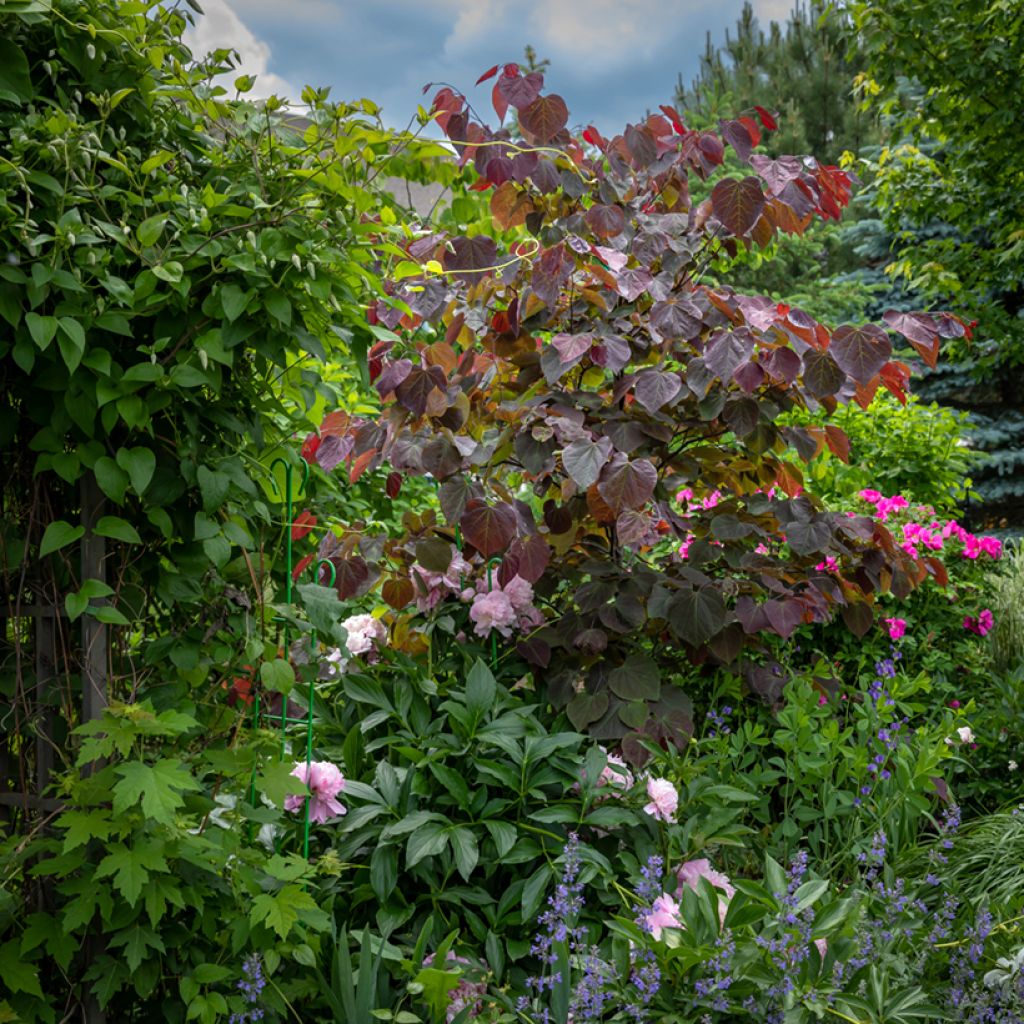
x=727 y=351
x=606 y=221
x=532 y=555
x=641 y=145
x=632 y=528
x=611 y=352
x=414 y=393
x=654 y=388
x=860 y=351
x=472 y=257
x=676 y=318
x=572 y=348
x=632 y=283
x=738 y=204
x=392 y=375
x=627 y=484
x=738 y=136
x=777 y=174
x=697 y=615
x=453 y=496
x=822 y=374
x=584 y=459
x=742 y=416
x=490 y=529
x=544 y=118
x=521 y=90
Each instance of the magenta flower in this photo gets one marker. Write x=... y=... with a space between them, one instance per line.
x=981 y=624
x=897 y=627
x=870 y=495
x=325 y=782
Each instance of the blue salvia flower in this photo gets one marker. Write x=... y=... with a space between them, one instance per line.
x=251 y=986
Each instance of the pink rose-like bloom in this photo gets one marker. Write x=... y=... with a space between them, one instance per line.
x=615 y=774
x=690 y=873
x=897 y=627
x=466 y=993
x=664 y=913
x=519 y=592
x=325 y=782
x=493 y=611
x=364 y=633
x=664 y=800
x=992 y=546
x=982 y=624
x=870 y=495
x=438 y=585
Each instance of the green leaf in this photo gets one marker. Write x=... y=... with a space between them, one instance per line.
x=112 y=479
x=481 y=690
x=233 y=301
x=42 y=329
x=81 y=826
x=117 y=529
x=71 y=341
x=281 y=910
x=130 y=867
x=151 y=228
x=159 y=786
x=277 y=675
x=161 y=156
x=276 y=782
x=427 y=841
x=57 y=535
x=15 y=973
x=75 y=604
x=15 y=82
x=466 y=851
x=137 y=941
x=171 y=272
x=384 y=871
x=278 y=306
x=110 y=615
x=139 y=464
x=214 y=488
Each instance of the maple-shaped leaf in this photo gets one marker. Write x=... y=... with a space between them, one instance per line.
x=159 y=786
x=626 y=483
x=860 y=351
x=489 y=528
x=471 y=258
x=545 y=117
x=131 y=867
x=738 y=204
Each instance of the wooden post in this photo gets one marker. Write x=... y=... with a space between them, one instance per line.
x=94 y=633
x=94 y=668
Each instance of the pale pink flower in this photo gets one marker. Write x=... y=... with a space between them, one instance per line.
x=492 y=611
x=664 y=800
x=664 y=913
x=822 y=946
x=364 y=633
x=897 y=627
x=438 y=585
x=690 y=873
x=615 y=774
x=520 y=593
x=325 y=782
x=963 y=735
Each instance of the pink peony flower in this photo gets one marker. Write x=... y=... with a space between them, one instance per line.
x=664 y=913
x=870 y=495
x=364 y=633
x=690 y=873
x=992 y=546
x=325 y=782
x=520 y=593
x=664 y=800
x=492 y=610
x=963 y=735
x=981 y=624
x=897 y=627
x=615 y=774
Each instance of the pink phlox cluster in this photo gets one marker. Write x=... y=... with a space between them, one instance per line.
x=981 y=624
x=438 y=585
x=829 y=565
x=325 y=782
x=664 y=800
x=692 y=503
x=897 y=627
x=466 y=994
x=364 y=634
x=503 y=608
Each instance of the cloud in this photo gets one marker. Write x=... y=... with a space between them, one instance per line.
x=220 y=27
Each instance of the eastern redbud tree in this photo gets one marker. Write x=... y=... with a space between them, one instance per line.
x=563 y=377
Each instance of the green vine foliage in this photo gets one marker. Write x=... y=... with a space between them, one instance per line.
x=183 y=279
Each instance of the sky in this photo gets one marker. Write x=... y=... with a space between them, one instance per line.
x=611 y=60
